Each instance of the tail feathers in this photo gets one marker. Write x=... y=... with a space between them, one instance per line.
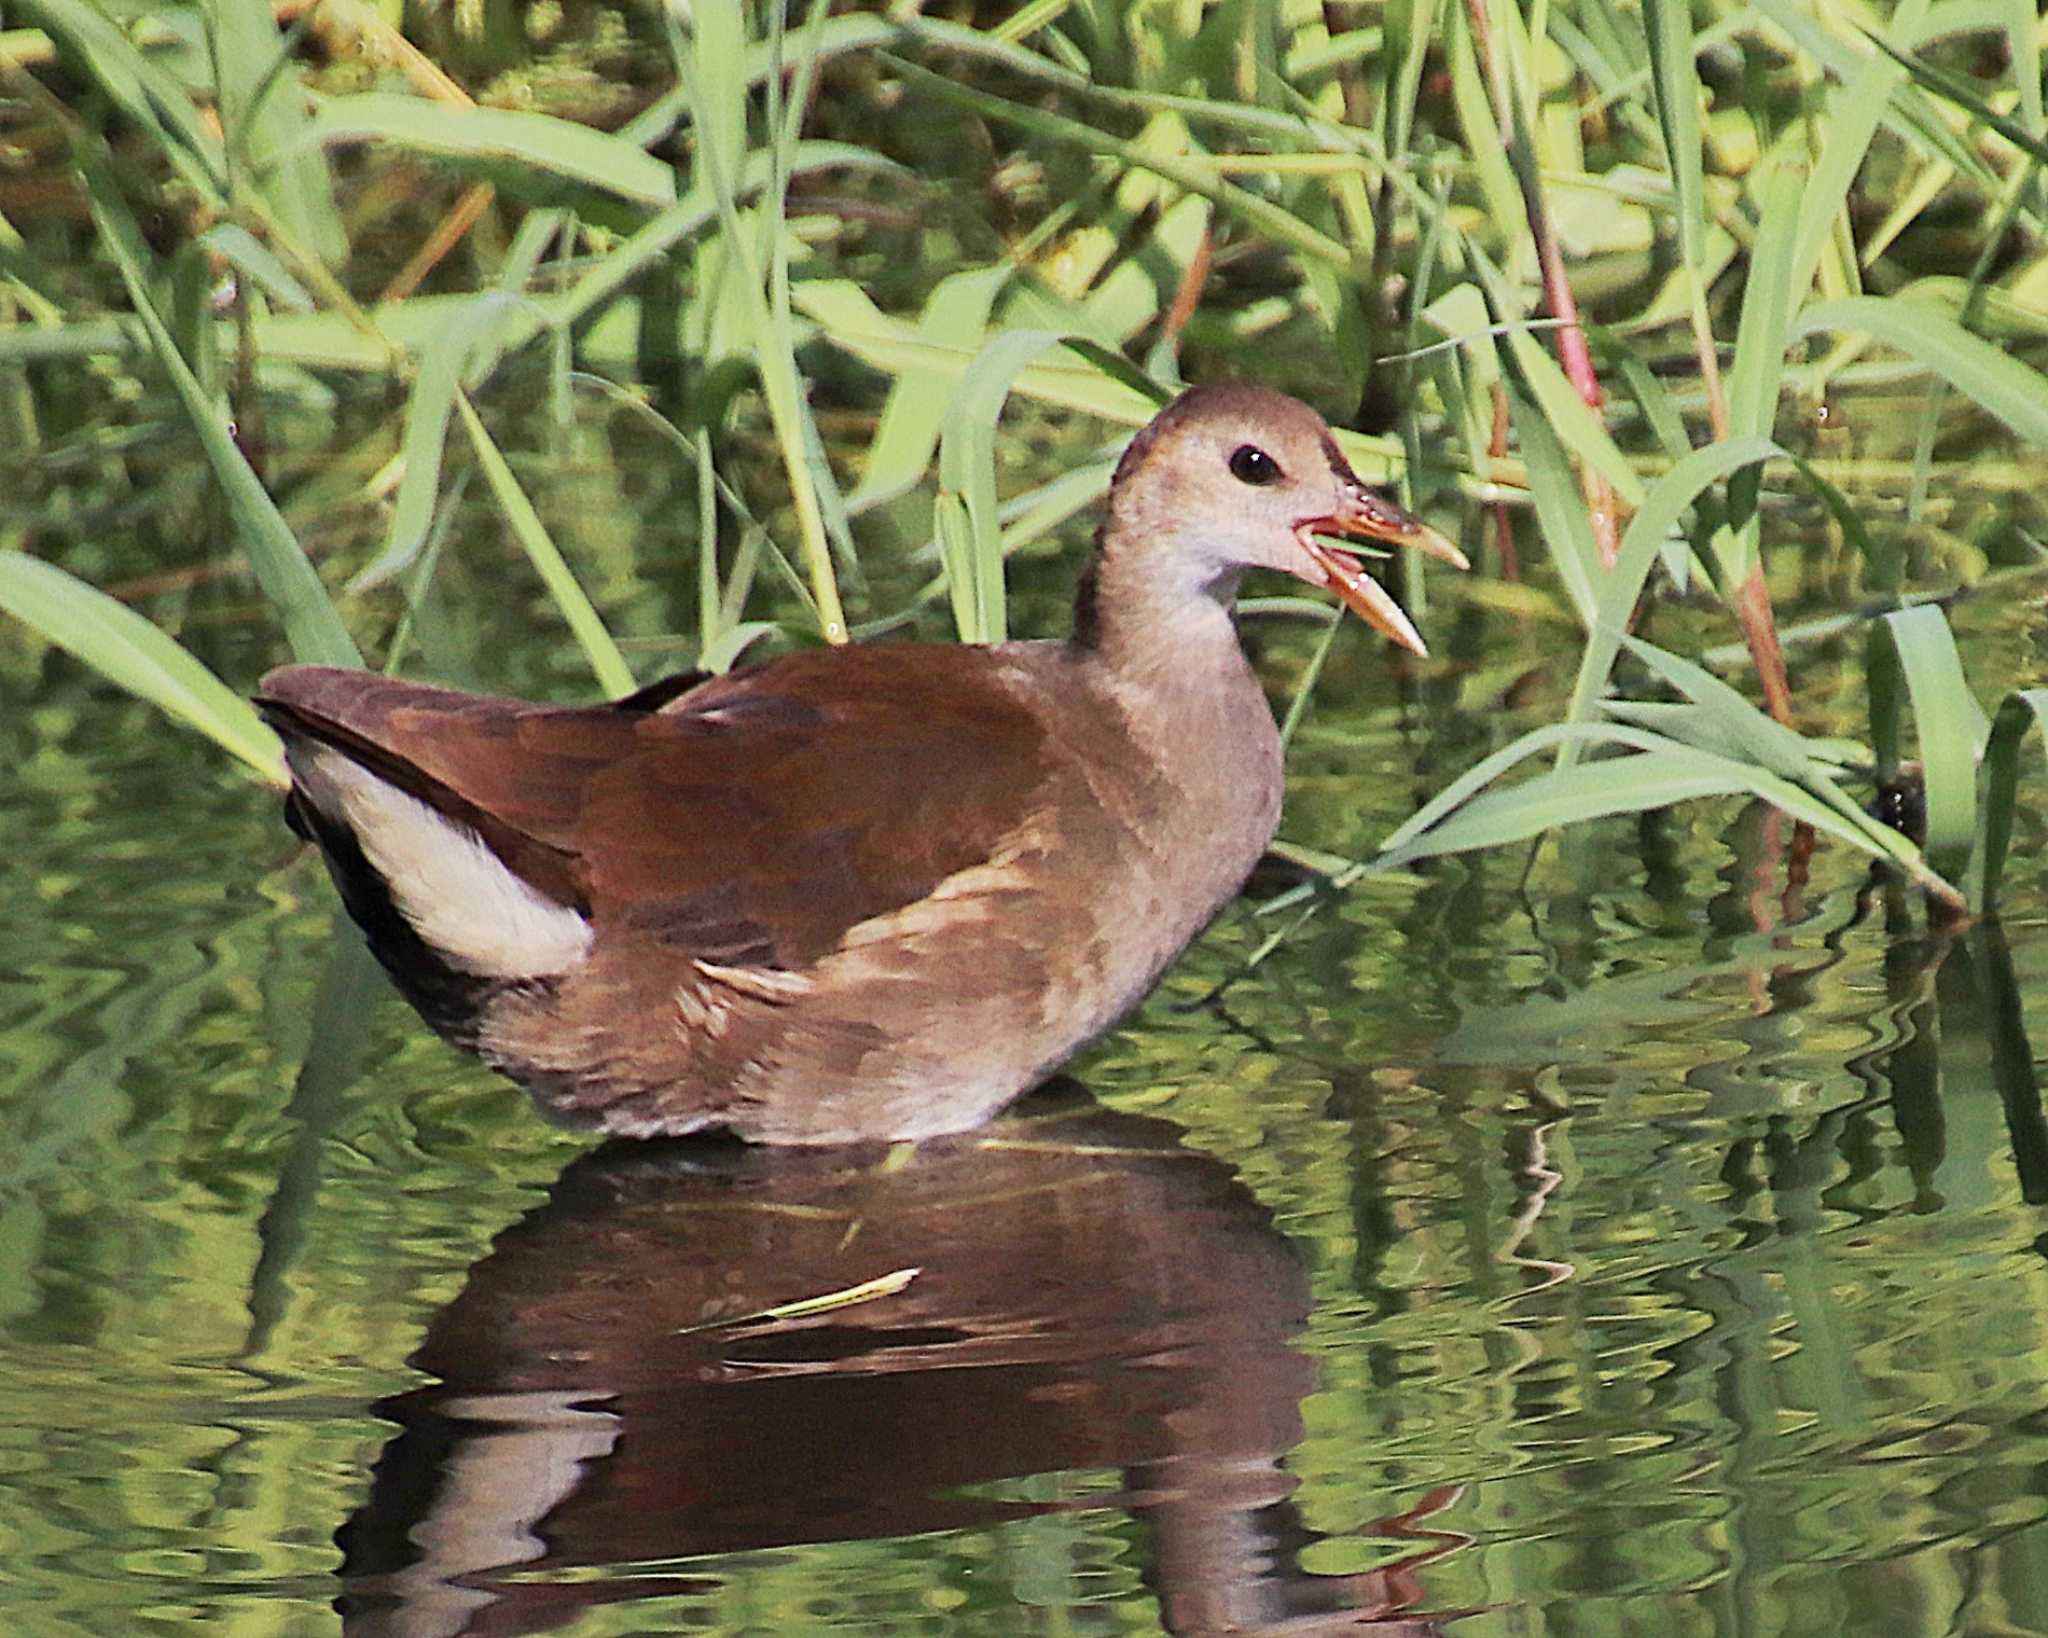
x=399 y=731
x=448 y=917
x=451 y=1001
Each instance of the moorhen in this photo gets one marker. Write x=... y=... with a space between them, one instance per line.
x=852 y=893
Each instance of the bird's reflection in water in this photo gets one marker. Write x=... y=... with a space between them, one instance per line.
x=1088 y=1295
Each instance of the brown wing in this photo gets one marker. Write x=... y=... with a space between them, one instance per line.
x=752 y=819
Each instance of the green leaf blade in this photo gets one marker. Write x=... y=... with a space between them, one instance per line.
x=2023 y=709
x=133 y=654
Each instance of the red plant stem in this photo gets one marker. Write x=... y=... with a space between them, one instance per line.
x=1752 y=604
x=1573 y=354
x=1189 y=296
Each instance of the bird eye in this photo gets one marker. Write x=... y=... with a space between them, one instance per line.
x=1251 y=464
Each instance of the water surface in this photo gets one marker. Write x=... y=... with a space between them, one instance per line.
x=1648 y=1239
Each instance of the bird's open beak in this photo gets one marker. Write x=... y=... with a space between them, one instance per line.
x=1364 y=515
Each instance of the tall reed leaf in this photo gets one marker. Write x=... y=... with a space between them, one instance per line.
x=535 y=156
x=972 y=538
x=611 y=670
x=311 y=625
x=1484 y=772
x=1485 y=142
x=1853 y=114
x=2027 y=708
x=1769 y=744
x=1907 y=112
x=1788 y=771
x=1573 y=421
x=1560 y=507
x=1716 y=759
x=955 y=315
x=133 y=654
x=253 y=259
x=264 y=111
x=460 y=352
x=1963 y=94
x=1572 y=795
x=1675 y=90
x=703 y=64
x=1757 y=376
x=2014 y=392
x=1617 y=590
x=1912 y=655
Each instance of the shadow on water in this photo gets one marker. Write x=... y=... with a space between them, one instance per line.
x=1103 y=1318
x=1087 y=1295
x=638 y=1377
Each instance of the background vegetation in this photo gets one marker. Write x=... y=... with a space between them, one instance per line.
x=1679 y=1199
x=1618 y=267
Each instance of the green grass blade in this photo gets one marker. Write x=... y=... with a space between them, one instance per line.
x=967 y=469
x=1485 y=142
x=718 y=86
x=133 y=654
x=1662 y=774
x=1675 y=91
x=1037 y=511
x=1769 y=744
x=1853 y=114
x=535 y=156
x=1620 y=357
x=784 y=123
x=265 y=115
x=1768 y=303
x=312 y=626
x=1573 y=422
x=1883 y=559
x=605 y=660
x=2027 y=708
x=765 y=295
x=152 y=99
x=1953 y=88
x=1484 y=772
x=960 y=554
x=1028 y=516
x=1560 y=507
x=1687 y=723
x=1915 y=647
x=2022 y=41
x=690 y=215
x=1569 y=796
x=734 y=641
x=1616 y=591
x=1908 y=113
x=255 y=262
x=458 y=355
x=955 y=315
x=1788 y=772
x=1769 y=299
x=2014 y=392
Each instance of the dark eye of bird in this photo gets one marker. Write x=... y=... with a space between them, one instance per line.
x=1251 y=464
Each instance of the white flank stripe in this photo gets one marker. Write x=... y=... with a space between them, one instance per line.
x=459 y=896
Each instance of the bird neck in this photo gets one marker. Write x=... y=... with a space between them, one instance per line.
x=1198 y=745
x=1137 y=615
x=1168 y=649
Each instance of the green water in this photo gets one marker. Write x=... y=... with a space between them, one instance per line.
x=1648 y=1239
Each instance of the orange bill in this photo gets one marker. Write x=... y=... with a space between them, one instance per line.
x=1364 y=515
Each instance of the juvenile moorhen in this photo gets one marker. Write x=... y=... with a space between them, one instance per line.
x=853 y=893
